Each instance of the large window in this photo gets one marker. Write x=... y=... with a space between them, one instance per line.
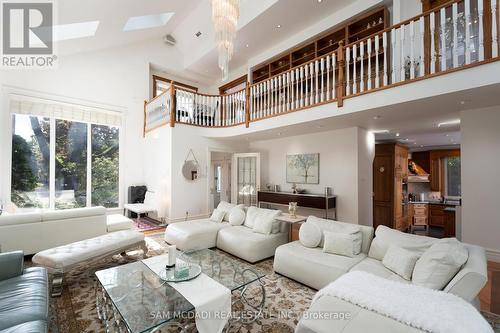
x=452 y=176
x=64 y=164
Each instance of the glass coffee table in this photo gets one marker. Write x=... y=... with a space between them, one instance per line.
x=132 y=298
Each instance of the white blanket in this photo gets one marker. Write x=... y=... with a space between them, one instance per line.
x=212 y=301
x=422 y=308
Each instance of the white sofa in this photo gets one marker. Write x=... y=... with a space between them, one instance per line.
x=297 y=262
x=38 y=231
x=238 y=240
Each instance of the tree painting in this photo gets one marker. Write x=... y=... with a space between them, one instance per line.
x=302 y=168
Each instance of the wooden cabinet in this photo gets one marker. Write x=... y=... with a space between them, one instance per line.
x=435 y=175
x=436 y=215
x=389 y=174
x=443 y=216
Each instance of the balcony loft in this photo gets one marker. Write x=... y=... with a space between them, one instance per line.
x=433 y=54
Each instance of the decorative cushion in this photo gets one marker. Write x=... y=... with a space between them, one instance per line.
x=400 y=261
x=226 y=207
x=440 y=263
x=340 y=243
x=339 y=227
x=236 y=216
x=255 y=213
x=310 y=235
x=217 y=215
x=261 y=220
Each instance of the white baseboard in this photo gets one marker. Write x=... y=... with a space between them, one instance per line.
x=192 y=217
x=493 y=255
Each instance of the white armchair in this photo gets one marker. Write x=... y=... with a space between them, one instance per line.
x=149 y=205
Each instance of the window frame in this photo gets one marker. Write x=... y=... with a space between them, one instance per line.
x=168 y=81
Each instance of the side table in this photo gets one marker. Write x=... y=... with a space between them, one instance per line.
x=287 y=218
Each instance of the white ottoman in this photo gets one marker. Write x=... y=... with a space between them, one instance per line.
x=195 y=234
x=117 y=222
x=61 y=259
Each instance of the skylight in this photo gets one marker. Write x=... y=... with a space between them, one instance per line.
x=147 y=21
x=75 y=30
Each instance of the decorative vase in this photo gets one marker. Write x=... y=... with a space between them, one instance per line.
x=292 y=209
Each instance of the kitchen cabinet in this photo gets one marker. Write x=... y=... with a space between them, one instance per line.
x=435 y=176
x=436 y=215
x=390 y=170
x=443 y=216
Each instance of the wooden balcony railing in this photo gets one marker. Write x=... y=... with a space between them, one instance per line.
x=454 y=36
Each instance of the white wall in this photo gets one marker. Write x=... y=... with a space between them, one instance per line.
x=192 y=196
x=405 y=9
x=480 y=156
x=346 y=158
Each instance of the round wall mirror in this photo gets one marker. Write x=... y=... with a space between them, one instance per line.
x=190 y=170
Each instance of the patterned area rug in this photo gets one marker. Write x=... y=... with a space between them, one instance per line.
x=75 y=311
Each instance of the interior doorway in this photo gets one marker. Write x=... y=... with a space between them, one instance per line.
x=219 y=178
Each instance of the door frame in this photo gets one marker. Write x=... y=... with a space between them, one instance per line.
x=211 y=150
x=234 y=177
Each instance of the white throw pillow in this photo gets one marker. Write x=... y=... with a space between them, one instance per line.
x=236 y=216
x=440 y=263
x=226 y=207
x=217 y=215
x=261 y=220
x=385 y=237
x=340 y=243
x=400 y=261
x=310 y=235
x=339 y=227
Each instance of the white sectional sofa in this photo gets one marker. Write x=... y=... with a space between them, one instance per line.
x=297 y=261
x=239 y=239
x=37 y=231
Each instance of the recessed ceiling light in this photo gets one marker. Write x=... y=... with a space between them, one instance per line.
x=421 y=146
x=447 y=135
x=397 y=134
x=147 y=21
x=449 y=123
x=462 y=102
x=380 y=131
x=247 y=45
x=278 y=26
x=75 y=30
x=377 y=117
x=319 y=1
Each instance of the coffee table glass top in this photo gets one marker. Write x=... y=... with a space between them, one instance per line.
x=143 y=300
x=223 y=268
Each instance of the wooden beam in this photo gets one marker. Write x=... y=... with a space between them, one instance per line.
x=172 y=104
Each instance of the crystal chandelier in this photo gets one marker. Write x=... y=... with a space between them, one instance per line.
x=225 y=15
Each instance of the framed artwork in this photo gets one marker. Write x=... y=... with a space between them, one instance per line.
x=302 y=168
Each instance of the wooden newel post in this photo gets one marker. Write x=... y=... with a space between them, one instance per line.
x=247 y=105
x=172 y=104
x=342 y=66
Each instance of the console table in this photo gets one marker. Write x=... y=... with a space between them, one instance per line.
x=315 y=201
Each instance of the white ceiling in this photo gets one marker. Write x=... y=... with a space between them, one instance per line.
x=112 y=15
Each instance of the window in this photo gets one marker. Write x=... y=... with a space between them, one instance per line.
x=218 y=178
x=30 y=161
x=161 y=84
x=84 y=158
x=452 y=177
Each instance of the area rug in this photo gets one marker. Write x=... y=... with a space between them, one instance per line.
x=286 y=300
x=146 y=224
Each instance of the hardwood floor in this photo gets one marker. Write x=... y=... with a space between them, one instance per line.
x=490 y=295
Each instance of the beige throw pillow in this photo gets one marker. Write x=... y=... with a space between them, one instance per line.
x=339 y=243
x=310 y=235
x=400 y=261
x=217 y=215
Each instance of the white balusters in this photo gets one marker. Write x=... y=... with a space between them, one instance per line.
x=316 y=86
x=328 y=77
x=322 y=66
x=268 y=101
x=494 y=29
x=311 y=72
x=393 y=68
x=334 y=66
x=443 y=38
x=348 y=78
x=299 y=81
x=302 y=86
x=455 y=34
x=480 y=12
x=433 y=42
x=354 y=71
x=386 y=65
x=362 y=76
x=288 y=88
x=402 y=54
x=276 y=100
x=306 y=71
x=369 y=45
x=412 y=50
x=467 y=32
x=422 y=47
x=377 y=78
x=292 y=88
x=271 y=93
